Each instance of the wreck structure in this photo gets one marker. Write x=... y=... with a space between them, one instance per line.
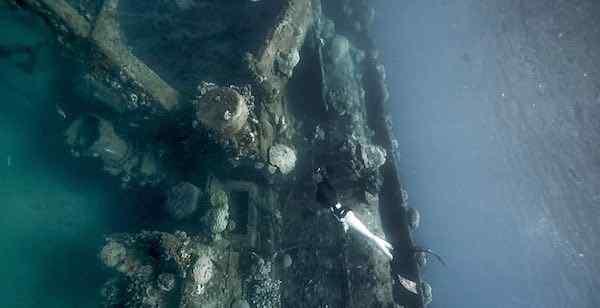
x=224 y=109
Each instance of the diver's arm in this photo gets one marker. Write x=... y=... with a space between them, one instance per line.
x=353 y=222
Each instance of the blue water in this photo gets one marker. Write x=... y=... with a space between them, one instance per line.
x=55 y=210
x=496 y=113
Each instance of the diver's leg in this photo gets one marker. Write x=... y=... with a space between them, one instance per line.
x=353 y=222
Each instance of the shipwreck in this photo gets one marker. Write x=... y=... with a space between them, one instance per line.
x=223 y=109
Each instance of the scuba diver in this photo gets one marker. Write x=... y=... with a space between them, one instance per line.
x=328 y=198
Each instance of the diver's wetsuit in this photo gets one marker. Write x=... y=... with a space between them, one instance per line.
x=328 y=198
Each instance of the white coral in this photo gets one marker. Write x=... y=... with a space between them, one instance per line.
x=113 y=254
x=203 y=272
x=283 y=157
x=219 y=220
x=373 y=156
x=217 y=217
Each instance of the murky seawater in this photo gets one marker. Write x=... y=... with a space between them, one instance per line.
x=55 y=210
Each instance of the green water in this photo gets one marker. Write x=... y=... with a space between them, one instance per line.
x=55 y=210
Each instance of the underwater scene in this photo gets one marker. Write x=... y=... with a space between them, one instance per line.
x=299 y=153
